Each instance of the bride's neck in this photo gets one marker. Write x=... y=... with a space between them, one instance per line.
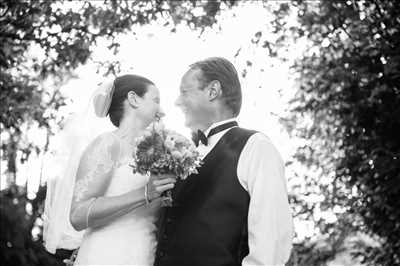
x=130 y=128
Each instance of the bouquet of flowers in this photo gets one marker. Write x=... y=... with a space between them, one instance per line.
x=162 y=151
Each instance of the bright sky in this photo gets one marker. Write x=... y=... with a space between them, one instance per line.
x=162 y=56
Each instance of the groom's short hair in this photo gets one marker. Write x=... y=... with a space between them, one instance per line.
x=218 y=68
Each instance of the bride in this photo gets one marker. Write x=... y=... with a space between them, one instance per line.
x=115 y=207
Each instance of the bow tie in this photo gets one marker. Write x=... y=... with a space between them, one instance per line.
x=199 y=136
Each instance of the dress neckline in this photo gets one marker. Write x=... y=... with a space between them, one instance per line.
x=122 y=139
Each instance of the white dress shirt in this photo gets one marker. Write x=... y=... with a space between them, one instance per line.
x=260 y=171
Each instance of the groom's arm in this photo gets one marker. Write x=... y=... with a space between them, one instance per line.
x=270 y=229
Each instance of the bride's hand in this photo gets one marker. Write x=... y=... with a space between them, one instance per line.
x=159 y=184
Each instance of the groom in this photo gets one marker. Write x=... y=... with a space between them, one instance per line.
x=235 y=211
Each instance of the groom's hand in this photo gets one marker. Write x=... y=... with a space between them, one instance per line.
x=158 y=184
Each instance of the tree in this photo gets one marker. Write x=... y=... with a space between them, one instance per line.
x=63 y=33
x=17 y=245
x=347 y=111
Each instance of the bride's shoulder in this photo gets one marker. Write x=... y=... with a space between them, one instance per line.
x=105 y=141
x=107 y=137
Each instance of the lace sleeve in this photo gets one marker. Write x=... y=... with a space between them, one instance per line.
x=95 y=168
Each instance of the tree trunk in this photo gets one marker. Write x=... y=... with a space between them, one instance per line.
x=11 y=161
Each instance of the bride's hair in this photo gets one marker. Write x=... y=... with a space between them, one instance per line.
x=122 y=86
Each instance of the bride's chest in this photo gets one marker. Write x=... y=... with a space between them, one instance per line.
x=124 y=180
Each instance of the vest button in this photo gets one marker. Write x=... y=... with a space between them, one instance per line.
x=165 y=237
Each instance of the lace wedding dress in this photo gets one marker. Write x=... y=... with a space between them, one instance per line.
x=129 y=239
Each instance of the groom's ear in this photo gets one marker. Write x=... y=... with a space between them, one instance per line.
x=133 y=99
x=214 y=90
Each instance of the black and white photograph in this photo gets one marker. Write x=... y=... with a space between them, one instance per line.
x=200 y=132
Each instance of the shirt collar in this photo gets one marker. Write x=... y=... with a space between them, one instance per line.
x=218 y=123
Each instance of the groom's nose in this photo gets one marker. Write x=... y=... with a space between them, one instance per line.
x=178 y=101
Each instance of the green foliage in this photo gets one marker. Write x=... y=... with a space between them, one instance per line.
x=347 y=112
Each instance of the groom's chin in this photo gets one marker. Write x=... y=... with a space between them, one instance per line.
x=188 y=123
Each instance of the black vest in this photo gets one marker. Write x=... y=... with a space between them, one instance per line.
x=207 y=226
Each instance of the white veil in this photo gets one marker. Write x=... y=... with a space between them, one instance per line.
x=78 y=132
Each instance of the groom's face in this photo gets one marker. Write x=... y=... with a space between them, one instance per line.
x=193 y=100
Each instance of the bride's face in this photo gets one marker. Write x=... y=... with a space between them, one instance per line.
x=149 y=108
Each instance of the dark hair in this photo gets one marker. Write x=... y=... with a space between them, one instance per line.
x=218 y=68
x=123 y=85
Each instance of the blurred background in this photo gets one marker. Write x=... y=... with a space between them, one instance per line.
x=320 y=78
